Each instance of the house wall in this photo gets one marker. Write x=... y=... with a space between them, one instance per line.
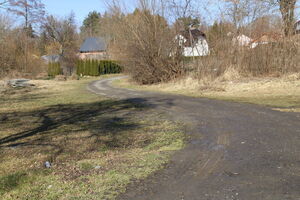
x=93 y=55
x=200 y=49
x=297 y=27
x=241 y=40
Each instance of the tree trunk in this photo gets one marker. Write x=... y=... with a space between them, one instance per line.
x=287 y=9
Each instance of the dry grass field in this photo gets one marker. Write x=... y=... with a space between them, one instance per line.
x=96 y=146
x=279 y=93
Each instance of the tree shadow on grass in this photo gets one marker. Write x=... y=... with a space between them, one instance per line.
x=58 y=127
x=11 y=181
x=19 y=95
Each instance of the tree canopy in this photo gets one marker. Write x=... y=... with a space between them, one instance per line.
x=91 y=24
x=32 y=11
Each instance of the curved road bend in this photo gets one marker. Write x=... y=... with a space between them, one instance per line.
x=236 y=152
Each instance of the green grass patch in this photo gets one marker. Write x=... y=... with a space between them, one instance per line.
x=11 y=181
x=96 y=145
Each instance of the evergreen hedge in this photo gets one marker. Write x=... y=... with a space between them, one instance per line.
x=54 y=69
x=97 y=67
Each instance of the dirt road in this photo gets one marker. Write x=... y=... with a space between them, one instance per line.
x=236 y=151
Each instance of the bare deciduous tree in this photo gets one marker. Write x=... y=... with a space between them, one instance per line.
x=245 y=11
x=32 y=11
x=287 y=10
x=5 y=24
x=4 y=4
x=181 y=8
x=63 y=32
x=264 y=24
x=18 y=51
x=146 y=44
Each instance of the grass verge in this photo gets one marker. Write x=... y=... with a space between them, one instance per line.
x=96 y=146
x=279 y=93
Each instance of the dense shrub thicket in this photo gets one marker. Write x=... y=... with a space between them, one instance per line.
x=273 y=59
x=54 y=69
x=97 y=67
x=147 y=49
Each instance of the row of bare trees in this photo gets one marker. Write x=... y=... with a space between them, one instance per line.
x=247 y=11
x=39 y=34
x=31 y=12
x=145 y=39
x=287 y=9
x=279 y=49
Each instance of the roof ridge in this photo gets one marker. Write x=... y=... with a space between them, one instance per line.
x=93 y=44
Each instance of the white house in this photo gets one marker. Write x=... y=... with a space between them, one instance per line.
x=297 y=27
x=194 y=43
x=242 y=40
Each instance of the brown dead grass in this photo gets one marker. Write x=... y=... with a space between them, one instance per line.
x=280 y=93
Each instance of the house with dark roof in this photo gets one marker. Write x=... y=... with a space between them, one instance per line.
x=193 y=42
x=93 y=48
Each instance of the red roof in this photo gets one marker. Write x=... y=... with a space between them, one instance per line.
x=268 y=37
